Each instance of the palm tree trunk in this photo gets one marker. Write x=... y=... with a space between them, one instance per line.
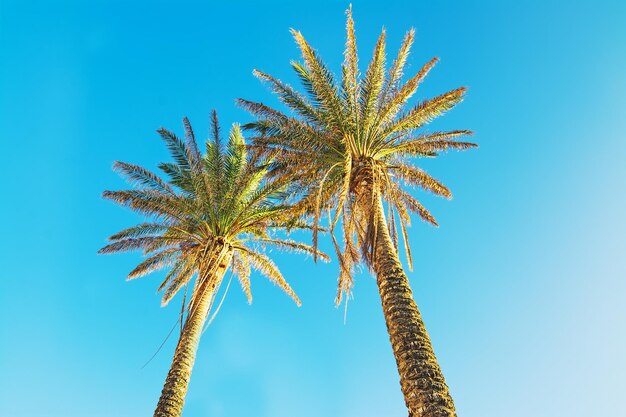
x=425 y=391
x=173 y=394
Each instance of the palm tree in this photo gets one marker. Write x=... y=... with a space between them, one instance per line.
x=215 y=211
x=347 y=148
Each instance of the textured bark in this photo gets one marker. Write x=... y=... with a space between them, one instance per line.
x=173 y=394
x=425 y=391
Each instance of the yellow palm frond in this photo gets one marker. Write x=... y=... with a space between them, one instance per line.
x=292 y=245
x=372 y=84
x=407 y=246
x=351 y=67
x=396 y=101
x=396 y=72
x=322 y=81
x=419 y=178
x=241 y=268
x=267 y=267
x=155 y=262
x=426 y=111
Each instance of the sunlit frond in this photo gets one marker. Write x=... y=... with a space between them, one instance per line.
x=407 y=246
x=351 y=68
x=396 y=71
x=155 y=262
x=372 y=84
x=322 y=82
x=142 y=177
x=177 y=281
x=241 y=268
x=418 y=146
x=426 y=111
x=419 y=178
x=414 y=206
x=396 y=101
x=443 y=145
x=140 y=230
x=149 y=203
x=294 y=246
x=131 y=244
x=266 y=266
x=289 y=96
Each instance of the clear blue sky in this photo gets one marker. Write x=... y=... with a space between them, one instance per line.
x=522 y=287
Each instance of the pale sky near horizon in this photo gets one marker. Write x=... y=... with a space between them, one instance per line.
x=522 y=286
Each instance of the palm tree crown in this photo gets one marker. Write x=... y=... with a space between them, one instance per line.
x=212 y=207
x=350 y=144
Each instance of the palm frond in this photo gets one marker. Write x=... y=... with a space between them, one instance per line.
x=241 y=268
x=177 y=148
x=176 y=282
x=407 y=246
x=266 y=266
x=139 y=230
x=297 y=247
x=130 y=244
x=415 y=206
x=419 y=178
x=396 y=72
x=322 y=81
x=148 y=202
x=414 y=146
x=142 y=177
x=155 y=262
x=290 y=97
x=372 y=83
x=397 y=100
x=351 y=68
x=426 y=111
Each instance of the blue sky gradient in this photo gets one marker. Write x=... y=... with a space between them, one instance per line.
x=522 y=287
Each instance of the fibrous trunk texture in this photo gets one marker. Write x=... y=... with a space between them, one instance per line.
x=425 y=391
x=173 y=394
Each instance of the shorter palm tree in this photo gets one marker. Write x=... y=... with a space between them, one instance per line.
x=215 y=211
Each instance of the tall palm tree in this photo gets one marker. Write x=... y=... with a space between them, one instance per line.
x=215 y=211
x=348 y=148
